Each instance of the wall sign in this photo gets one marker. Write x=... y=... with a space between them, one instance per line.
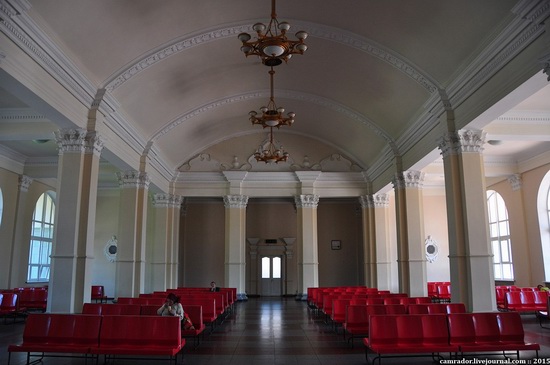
x=431 y=248
x=111 y=249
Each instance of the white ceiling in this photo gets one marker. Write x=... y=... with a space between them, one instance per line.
x=178 y=78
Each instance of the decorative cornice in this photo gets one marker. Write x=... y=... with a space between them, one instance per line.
x=21 y=114
x=24 y=183
x=167 y=200
x=133 y=179
x=314 y=30
x=306 y=201
x=235 y=201
x=93 y=144
x=515 y=182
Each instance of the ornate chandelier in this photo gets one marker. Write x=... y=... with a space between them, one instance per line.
x=269 y=153
x=272 y=45
x=271 y=115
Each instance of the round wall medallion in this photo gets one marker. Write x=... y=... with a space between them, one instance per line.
x=111 y=249
x=430 y=246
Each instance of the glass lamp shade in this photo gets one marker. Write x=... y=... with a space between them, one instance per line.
x=274 y=50
x=301 y=35
x=284 y=26
x=244 y=37
x=259 y=27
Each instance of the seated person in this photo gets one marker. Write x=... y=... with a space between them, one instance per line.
x=171 y=307
x=213 y=286
x=541 y=287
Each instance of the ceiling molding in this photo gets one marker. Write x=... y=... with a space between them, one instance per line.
x=332 y=34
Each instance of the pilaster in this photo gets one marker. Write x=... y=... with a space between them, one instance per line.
x=235 y=243
x=308 y=260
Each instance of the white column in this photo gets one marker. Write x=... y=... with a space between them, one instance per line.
x=130 y=265
x=235 y=243
x=306 y=205
x=470 y=255
x=381 y=216
x=369 y=240
x=72 y=252
x=410 y=233
x=165 y=243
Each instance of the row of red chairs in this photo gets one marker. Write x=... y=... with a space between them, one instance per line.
x=457 y=333
x=525 y=301
x=93 y=335
x=9 y=306
x=501 y=291
x=439 y=290
x=356 y=323
x=193 y=311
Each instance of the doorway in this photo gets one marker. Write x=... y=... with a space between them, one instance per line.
x=271 y=276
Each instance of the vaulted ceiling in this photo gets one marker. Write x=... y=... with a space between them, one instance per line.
x=171 y=80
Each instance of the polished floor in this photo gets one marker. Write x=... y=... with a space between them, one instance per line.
x=271 y=331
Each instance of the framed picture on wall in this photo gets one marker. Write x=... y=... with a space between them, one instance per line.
x=335 y=244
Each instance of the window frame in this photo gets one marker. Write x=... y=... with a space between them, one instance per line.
x=41 y=239
x=500 y=237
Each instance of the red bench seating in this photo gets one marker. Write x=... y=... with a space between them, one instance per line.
x=142 y=301
x=94 y=335
x=489 y=332
x=58 y=333
x=436 y=308
x=9 y=306
x=33 y=299
x=525 y=301
x=139 y=336
x=195 y=315
x=459 y=333
x=414 y=335
x=112 y=309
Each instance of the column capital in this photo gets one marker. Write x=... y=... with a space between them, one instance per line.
x=306 y=201
x=515 y=181
x=71 y=140
x=381 y=200
x=462 y=141
x=24 y=183
x=235 y=201
x=133 y=179
x=366 y=201
x=78 y=140
x=408 y=179
x=167 y=200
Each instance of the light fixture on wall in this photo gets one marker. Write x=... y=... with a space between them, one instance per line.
x=271 y=115
x=268 y=152
x=272 y=45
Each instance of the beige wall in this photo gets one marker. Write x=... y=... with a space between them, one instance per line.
x=340 y=220
x=203 y=243
x=524 y=226
x=103 y=271
x=8 y=187
x=435 y=225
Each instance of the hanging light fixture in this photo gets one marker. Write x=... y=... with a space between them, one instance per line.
x=269 y=153
x=272 y=45
x=271 y=115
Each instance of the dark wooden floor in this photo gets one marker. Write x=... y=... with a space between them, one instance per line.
x=269 y=331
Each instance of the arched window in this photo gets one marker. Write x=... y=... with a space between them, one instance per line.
x=543 y=208
x=499 y=231
x=41 y=239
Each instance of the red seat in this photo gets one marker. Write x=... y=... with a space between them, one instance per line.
x=395 y=309
x=339 y=311
x=392 y=300
x=9 y=306
x=195 y=315
x=455 y=308
x=59 y=333
x=418 y=308
x=98 y=293
x=356 y=323
x=422 y=300
x=140 y=335
x=444 y=292
x=513 y=300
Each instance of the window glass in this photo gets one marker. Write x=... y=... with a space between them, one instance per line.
x=499 y=230
x=40 y=246
x=1 y=205
x=276 y=268
x=266 y=267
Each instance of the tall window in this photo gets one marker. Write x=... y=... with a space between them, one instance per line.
x=499 y=231
x=41 y=239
